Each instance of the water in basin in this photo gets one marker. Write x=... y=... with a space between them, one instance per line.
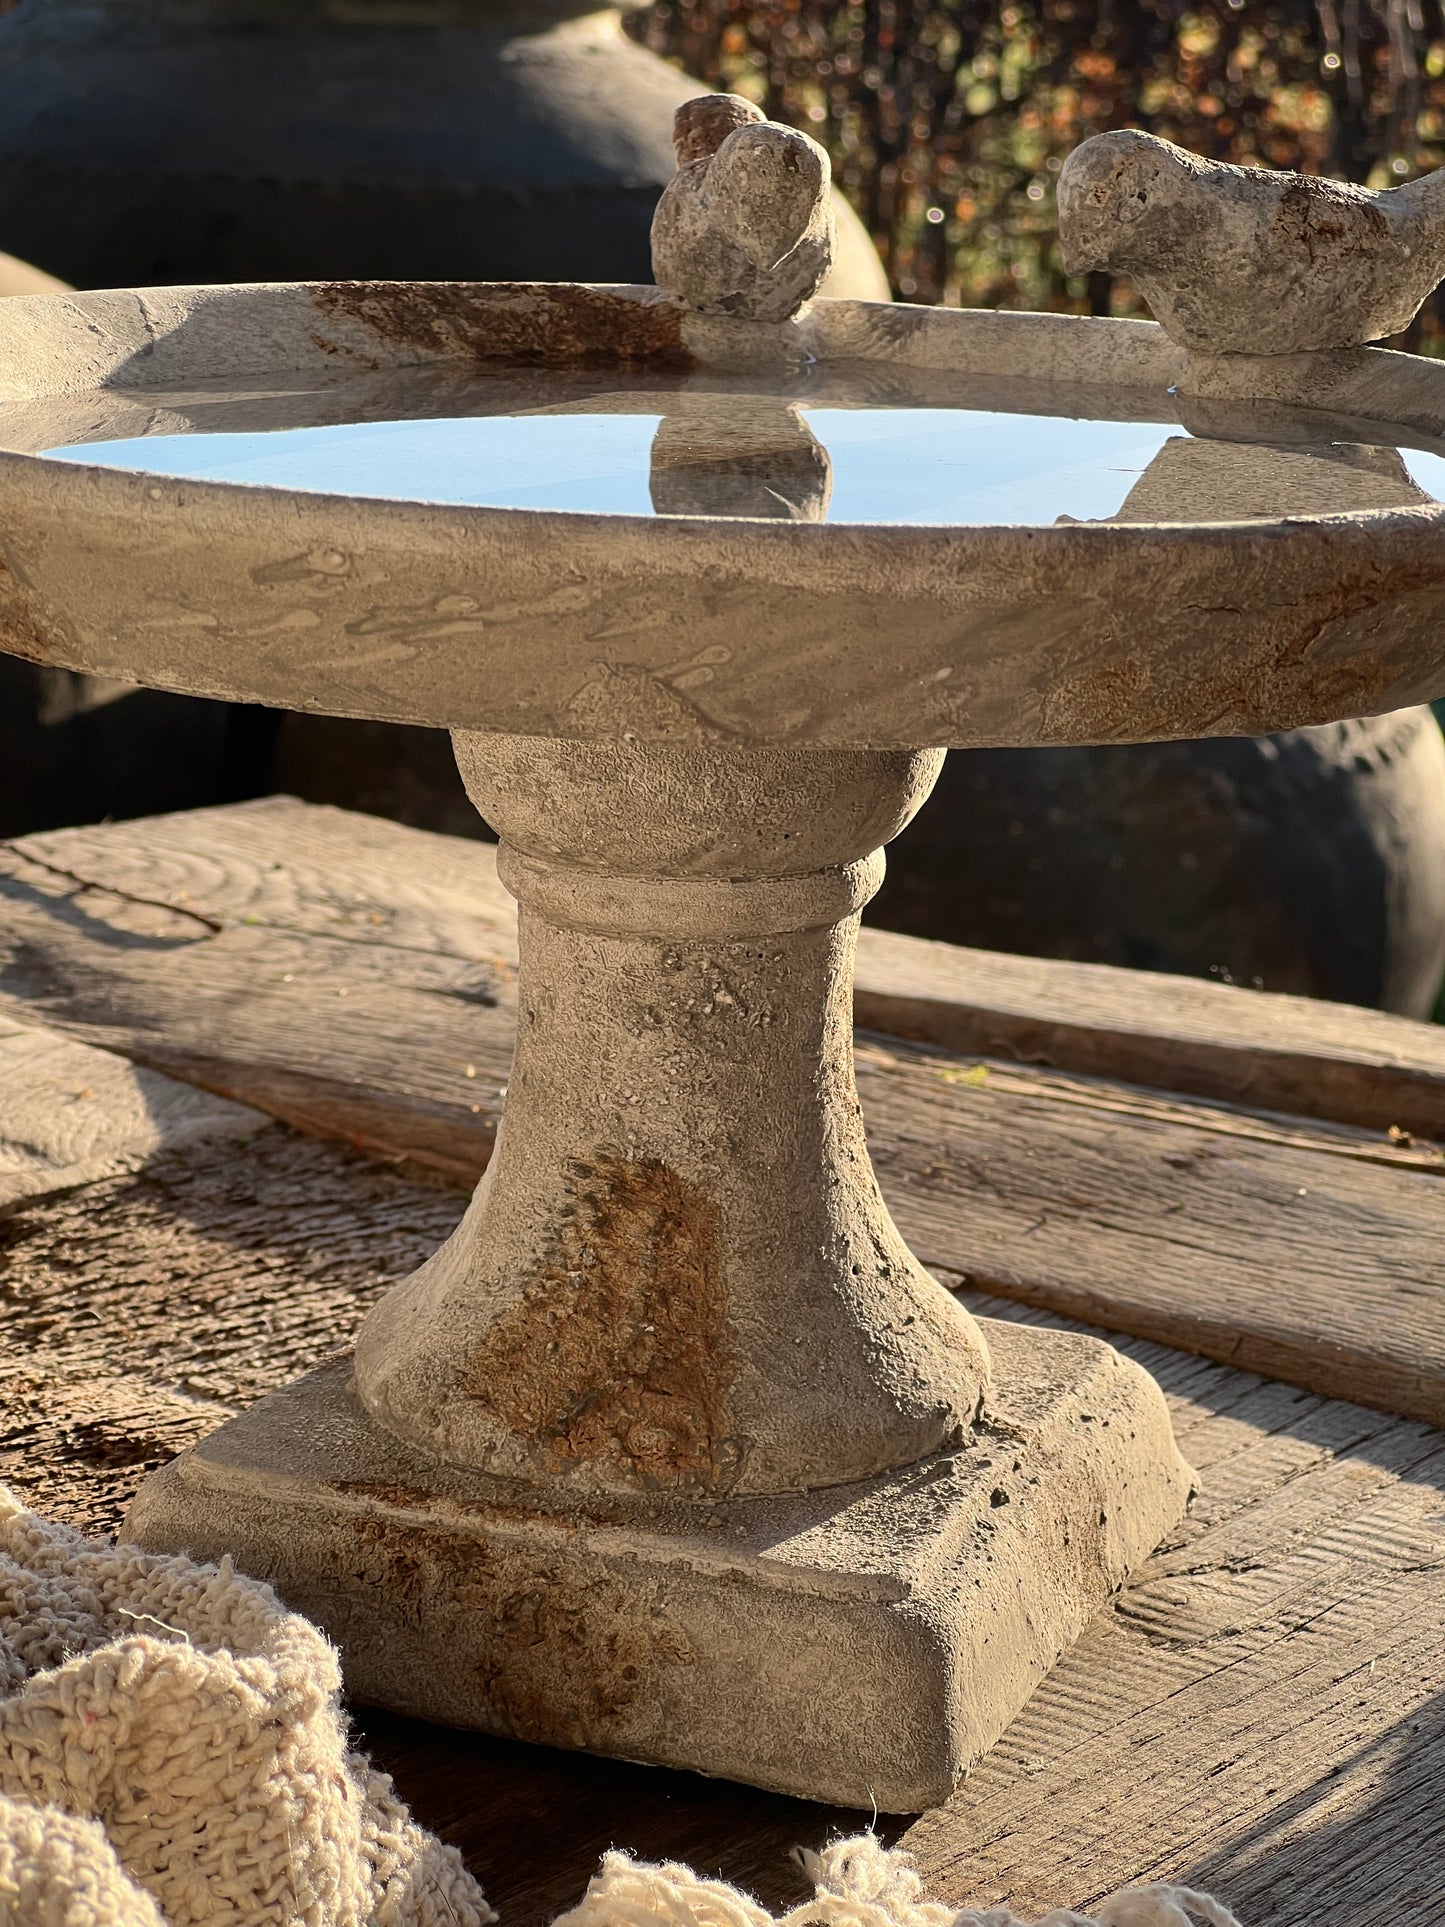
x=921 y=448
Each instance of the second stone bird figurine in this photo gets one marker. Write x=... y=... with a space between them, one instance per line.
x=1246 y=260
x=745 y=227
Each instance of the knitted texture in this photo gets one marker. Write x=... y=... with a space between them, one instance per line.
x=173 y=1754
x=857 y=1883
x=56 y=1871
x=199 y=1723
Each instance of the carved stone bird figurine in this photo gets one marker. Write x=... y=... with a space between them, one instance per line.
x=745 y=227
x=1246 y=260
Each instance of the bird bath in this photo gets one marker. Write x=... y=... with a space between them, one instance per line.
x=675 y=1451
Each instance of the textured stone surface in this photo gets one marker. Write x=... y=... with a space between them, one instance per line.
x=688 y=629
x=1249 y=260
x=862 y=1644
x=678 y=1291
x=745 y=228
x=260 y=140
x=18 y=277
x=678 y=1274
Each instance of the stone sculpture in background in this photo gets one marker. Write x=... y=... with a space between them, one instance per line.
x=275 y=140
x=1312 y=862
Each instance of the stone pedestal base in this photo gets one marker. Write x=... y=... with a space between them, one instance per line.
x=861 y=1644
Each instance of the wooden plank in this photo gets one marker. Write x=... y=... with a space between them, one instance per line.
x=1271 y=1052
x=1261 y=1714
x=1220 y=1723
x=1227 y=1234
x=70 y=1114
x=139 y=1313
x=299 y=867
x=213 y=948
x=345 y=875
x=258 y=951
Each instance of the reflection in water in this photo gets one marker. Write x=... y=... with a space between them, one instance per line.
x=837 y=443
x=674 y=454
x=732 y=455
x=1214 y=481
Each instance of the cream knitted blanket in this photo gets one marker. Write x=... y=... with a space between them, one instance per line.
x=173 y=1754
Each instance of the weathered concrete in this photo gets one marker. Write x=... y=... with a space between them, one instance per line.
x=864 y=1643
x=678 y=1274
x=620 y=1422
x=18 y=277
x=1250 y=260
x=146 y=141
x=586 y=626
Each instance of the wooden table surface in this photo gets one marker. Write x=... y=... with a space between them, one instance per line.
x=1260 y=1712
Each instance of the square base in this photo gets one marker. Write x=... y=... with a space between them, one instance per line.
x=859 y=1645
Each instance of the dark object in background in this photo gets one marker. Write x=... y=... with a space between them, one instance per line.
x=152 y=141
x=1311 y=862
x=386 y=769
x=75 y=749
x=145 y=142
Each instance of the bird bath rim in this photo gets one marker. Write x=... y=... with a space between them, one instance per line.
x=567 y=624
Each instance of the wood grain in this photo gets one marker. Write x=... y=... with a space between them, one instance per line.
x=277 y=979
x=1243 y=1238
x=358 y=979
x=1259 y=1712
x=285 y=865
x=70 y=1114
x=1262 y=1713
x=1262 y=1049
x=140 y=1313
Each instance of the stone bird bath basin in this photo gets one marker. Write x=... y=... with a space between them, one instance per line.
x=674 y=1451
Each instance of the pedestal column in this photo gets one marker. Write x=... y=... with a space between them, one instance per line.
x=674 y=1451
x=678 y=1274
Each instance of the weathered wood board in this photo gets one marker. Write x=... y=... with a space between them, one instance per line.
x=358 y=979
x=70 y=1114
x=1261 y=1712
x=1271 y=1052
x=340 y=875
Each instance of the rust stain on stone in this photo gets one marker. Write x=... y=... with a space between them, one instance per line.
x=21 y=634
x=566 y=1658
x=618 y=1351
x=530 y=323
x=569 y=1664
x=1313 y=212
x=1272 y=686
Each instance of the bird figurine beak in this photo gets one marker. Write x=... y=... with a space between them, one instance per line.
x=1079 y=259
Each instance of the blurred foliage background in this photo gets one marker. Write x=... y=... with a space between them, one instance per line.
x=948 y=120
